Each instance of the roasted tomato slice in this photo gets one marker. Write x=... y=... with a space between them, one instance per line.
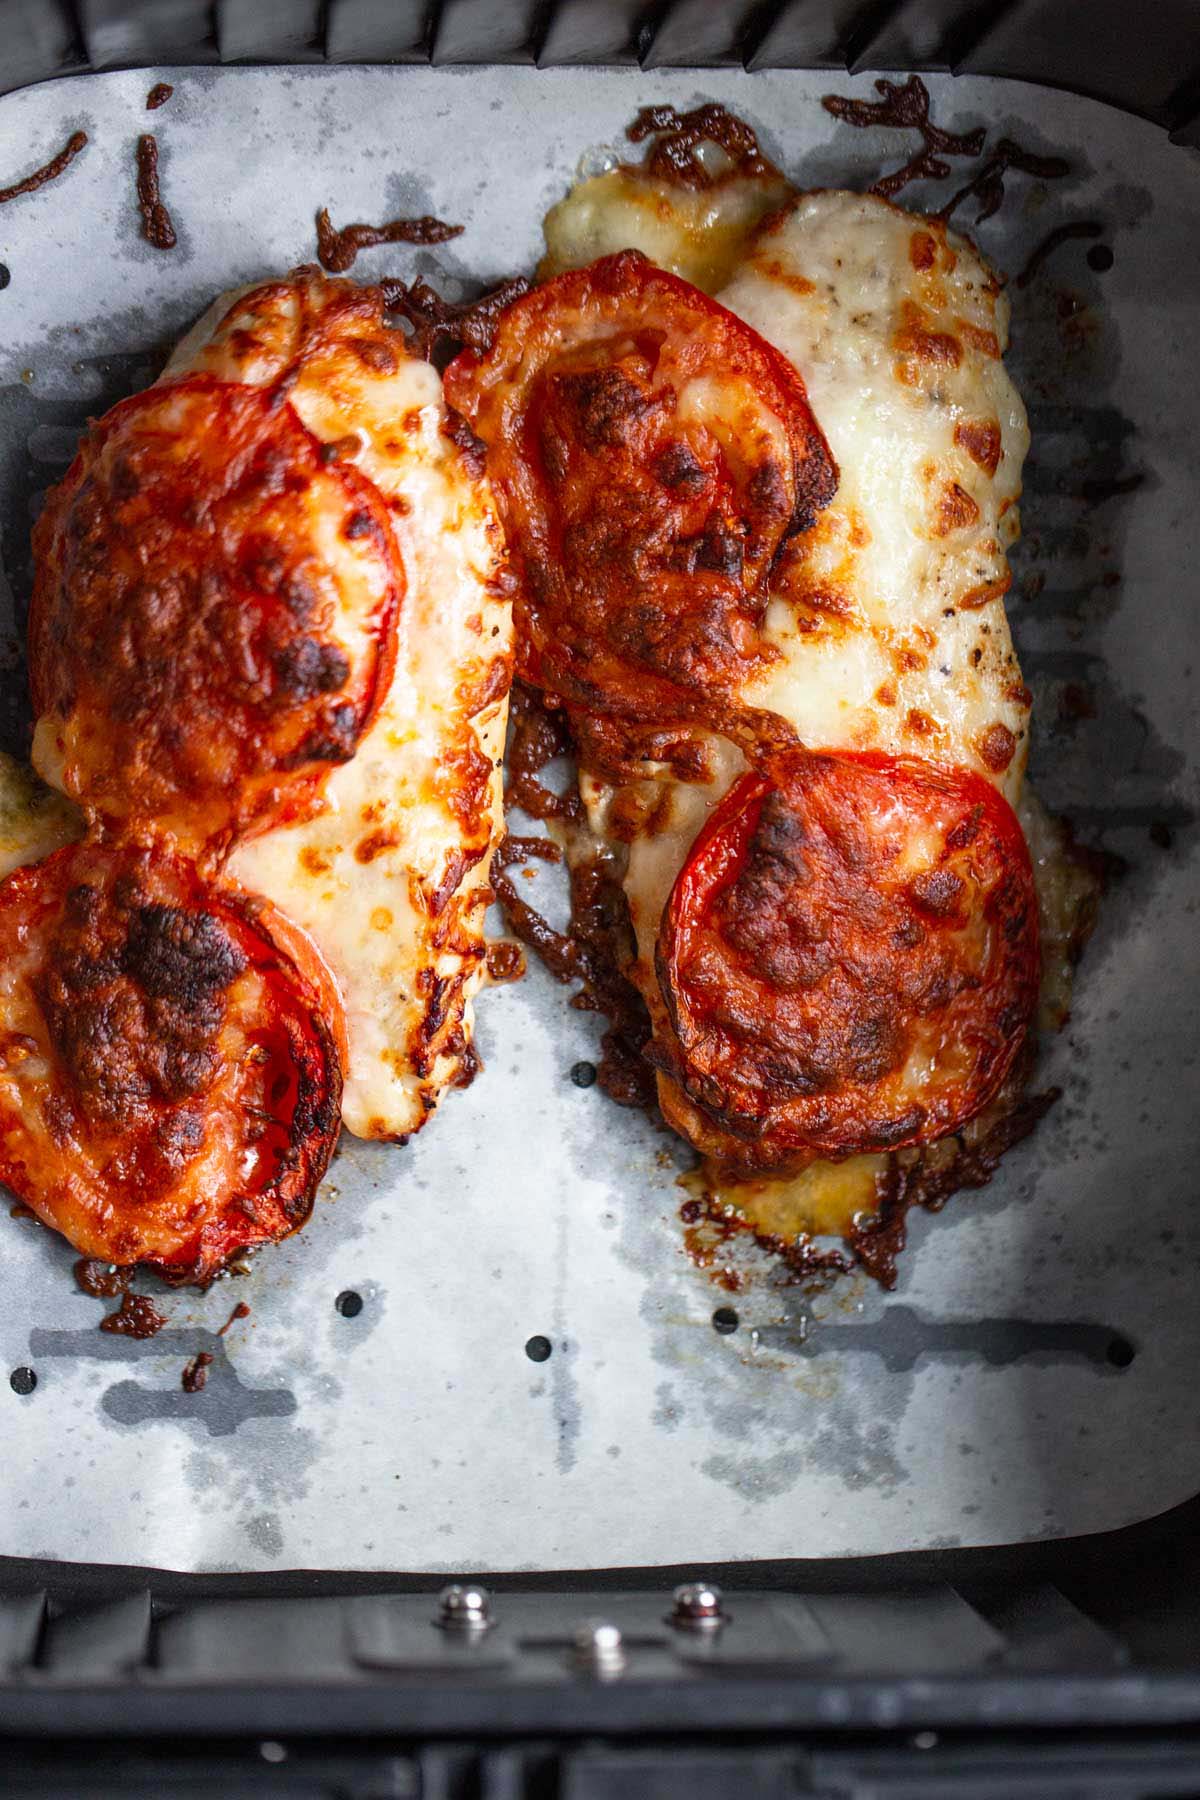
x=169 y=1088
x=213 y=621
x=650 y=454
x=849 y=957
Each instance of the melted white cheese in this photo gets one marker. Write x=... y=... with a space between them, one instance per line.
x=34 y=820
x=388 y=879
x=699 y=233
x=889 y=616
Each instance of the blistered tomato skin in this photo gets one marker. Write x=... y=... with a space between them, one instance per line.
x=650 y=453
x=849 y=959
x=169 y=1085
x=213 y=620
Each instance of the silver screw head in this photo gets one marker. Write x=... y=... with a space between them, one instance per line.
x=464 y=1607
x=598 y=1647
x=696 y=1606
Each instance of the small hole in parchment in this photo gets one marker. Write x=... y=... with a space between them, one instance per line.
x=583 y=1074
x=23 y=1381
x=349 y=1304
x=1100 y=258
x=725 y=1320
x=1120 y=1352
x=538 y=1349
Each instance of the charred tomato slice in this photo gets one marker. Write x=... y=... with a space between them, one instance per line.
x=849 y=957
x=650 y=454
x=169 y=1082
x=214 y=615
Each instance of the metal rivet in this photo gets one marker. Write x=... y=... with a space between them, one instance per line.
x=696 y=1606
x=464 y=1608
x=598 y=1648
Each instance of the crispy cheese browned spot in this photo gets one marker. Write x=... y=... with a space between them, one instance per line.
x=273 y=627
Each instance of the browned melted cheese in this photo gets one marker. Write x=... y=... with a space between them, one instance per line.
x=282 y=546
x=887 y=618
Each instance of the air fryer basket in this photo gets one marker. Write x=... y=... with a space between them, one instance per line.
x=947 y=1671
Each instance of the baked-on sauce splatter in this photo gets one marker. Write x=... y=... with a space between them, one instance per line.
x=679 y=136
x=49 y=172
x=158 y=96
x=598 y=944
x=101 y=1280
x=505 y=961
x=987 y=184
x=195 y=1373
x=906 y=107
x=1062 y=234
x=137 y=1317
x=240 y=1311
x=157 y=228
x=927 y=1177
x=337 y=248
x=537 y=738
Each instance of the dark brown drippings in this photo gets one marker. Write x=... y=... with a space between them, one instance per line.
x=536 y=738
x=337 y=248
x=601 y=927
x=158 y=96
x=706 y=1235
x=18 y=1210
x=925 y=1177
x=137 y=1317
x=987 y=184
x=443 y=327
x=505 y=961
x=240 y=1311
x=596 y=947
x=598 y=944
x=50 y=172
x=469 y=1064
x=678 y=137
x=524 y=921
x=1062 y=234
x=710 y=1228
x=195 y=1373
x=906 y=107
x=157 y=228
x=931 y=1176
x=100 y=1279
